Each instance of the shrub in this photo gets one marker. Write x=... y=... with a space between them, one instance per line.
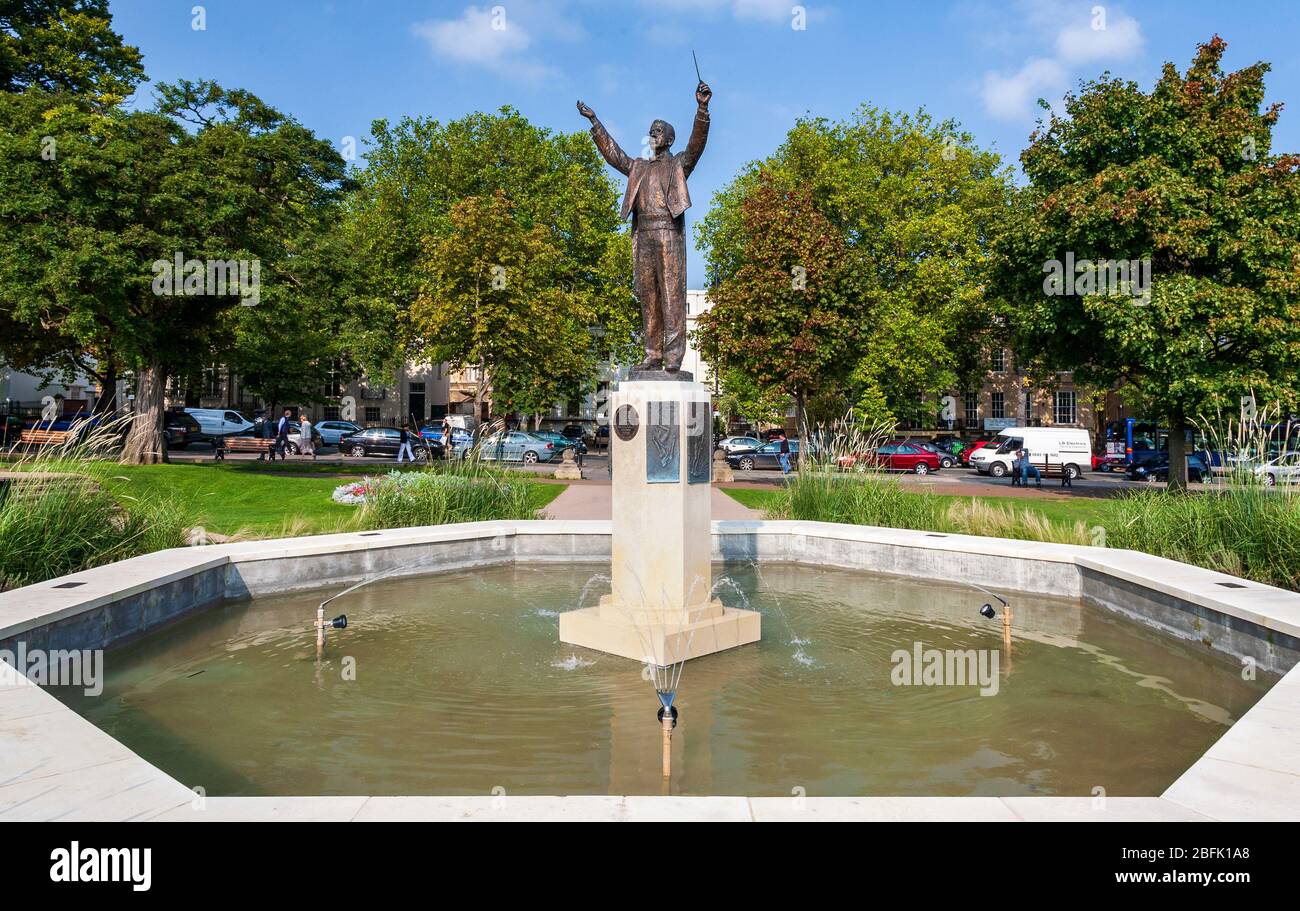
x=459 y=491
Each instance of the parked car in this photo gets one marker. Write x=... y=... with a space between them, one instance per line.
x=1110 y=462
x=294 y=444
x=971 y=448
x=562 y=442
x=433 y=433
x=574 y=432
x=511 y=446
x=1157 y=469
x=906 y=456
x=733 y=444
x=386 y=441
x=768 y=455
x=333 y=431
x=946 y=459
x=181 y=429
x=1285 y=469
x=220 y=422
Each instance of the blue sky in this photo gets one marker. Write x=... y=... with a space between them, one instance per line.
x=338 y=65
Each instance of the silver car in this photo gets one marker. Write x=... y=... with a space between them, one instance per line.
x=333 y=431
x=511 y=446
x=1285 y=469
x=731 y=444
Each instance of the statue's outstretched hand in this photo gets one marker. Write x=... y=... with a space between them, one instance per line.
x=586 y=111
x=702 y=94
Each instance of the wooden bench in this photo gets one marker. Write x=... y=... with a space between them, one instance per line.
x=44 y=437
x=244 y=444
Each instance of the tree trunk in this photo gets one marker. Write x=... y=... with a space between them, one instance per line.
x=144 y=442
x=108 y=396
x=1177 y=452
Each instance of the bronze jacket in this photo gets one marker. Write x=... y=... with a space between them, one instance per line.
x=679 y=199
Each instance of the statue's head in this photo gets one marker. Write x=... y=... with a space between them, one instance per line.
x=662 y=135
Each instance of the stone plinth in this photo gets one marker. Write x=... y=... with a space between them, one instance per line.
x=660 y=451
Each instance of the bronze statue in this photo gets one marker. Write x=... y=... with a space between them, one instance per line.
x=657 y=199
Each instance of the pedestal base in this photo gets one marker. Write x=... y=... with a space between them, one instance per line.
x=616 y=633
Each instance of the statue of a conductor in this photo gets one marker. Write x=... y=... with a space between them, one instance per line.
x=657 y=199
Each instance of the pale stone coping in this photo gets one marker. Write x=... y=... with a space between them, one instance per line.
x=58 y=766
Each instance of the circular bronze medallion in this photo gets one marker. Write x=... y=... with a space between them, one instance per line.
x=626 y=422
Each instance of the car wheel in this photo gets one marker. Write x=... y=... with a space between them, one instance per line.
x=1072 y=472
x=291 y=448
x=921 y=468
x=946 y=463
x=1151 y=478
x=357 y=452
x=746 y=464
x=998 y=470
x=530 y=458
x=1270 y=480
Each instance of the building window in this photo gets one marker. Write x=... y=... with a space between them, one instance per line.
x=999 y=360
x=1065 y=410
x=415 y=387
x=997 y=405
x=372 y=414
x=331 y=412
x=1029 y=407
x=212 y=380
x=972 y=409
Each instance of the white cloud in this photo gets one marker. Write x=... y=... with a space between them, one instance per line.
x=491 y=38
x=773 y=11
x=1008 y=97
x=1086 y=37
x=1082 y=43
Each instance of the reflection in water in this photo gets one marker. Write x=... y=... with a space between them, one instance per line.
x=461 y=684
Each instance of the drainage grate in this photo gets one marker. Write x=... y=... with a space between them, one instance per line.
x=70 y=584
x=936 y=536
x=1230 y=584
x=369 y=534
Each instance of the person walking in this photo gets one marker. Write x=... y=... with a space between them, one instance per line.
x=447 y=444
x=305 y=445
x=404 y=440
x=785 y=454
x=282 y=435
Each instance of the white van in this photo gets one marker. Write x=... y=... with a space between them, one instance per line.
x=219 y=422
x=1052 y=450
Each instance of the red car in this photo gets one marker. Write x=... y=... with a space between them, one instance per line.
x=897 y=457
x=966 y=453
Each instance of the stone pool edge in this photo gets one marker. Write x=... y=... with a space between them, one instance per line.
x=58 y=766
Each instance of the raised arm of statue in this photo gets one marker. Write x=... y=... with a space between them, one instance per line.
x=617 y=158
x=699 y=130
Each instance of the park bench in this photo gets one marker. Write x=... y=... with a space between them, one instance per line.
x=244 y=444
x=43 y=437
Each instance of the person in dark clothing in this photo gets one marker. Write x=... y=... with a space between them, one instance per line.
x=785 y=455
x=282 y=436
x=404 y=438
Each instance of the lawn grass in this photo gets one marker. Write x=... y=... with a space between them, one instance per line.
x=255 y=499
x=1089 y=510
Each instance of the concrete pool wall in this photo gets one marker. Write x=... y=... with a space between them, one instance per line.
x=54 y=764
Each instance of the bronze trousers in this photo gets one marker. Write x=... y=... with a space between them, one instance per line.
x=659 y=277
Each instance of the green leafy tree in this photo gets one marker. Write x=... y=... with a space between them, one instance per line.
x=66 y=48
x=740 y=397
x=916 y=203
x=784 y=318
x=419 y=171
x=1184 y=178
x=212 y=175
x=493 y=297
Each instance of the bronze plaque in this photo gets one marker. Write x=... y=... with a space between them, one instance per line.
x=626 y=422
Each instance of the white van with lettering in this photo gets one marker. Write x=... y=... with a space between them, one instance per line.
x=1052 y=450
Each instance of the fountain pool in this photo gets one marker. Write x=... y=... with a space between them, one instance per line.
x=460 y=685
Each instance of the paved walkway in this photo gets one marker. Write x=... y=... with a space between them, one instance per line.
x=595 y=501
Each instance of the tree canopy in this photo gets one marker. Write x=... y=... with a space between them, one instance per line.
x=1184 y=179
x=914 y=204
